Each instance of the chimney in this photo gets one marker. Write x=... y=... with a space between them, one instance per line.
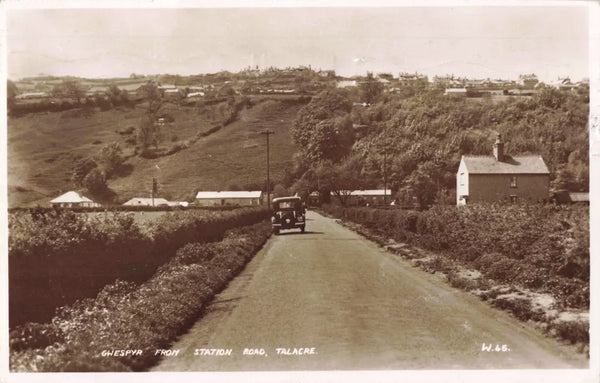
x=499 y=148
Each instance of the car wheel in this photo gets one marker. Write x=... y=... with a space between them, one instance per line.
x=276 y=231
x=302 y=228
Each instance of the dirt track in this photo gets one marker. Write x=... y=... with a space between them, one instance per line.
x=359 y=308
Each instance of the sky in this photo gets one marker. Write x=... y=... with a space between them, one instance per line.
x=476 y=42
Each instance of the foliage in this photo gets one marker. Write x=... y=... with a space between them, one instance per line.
x=111 y=158
x=370 y=88
x=68 y=89
x=81 y=169
x=128 y=316
x=95 y=181
x=322 y=128
x=58 y=256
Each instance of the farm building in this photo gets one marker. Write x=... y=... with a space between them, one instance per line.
x=146 y=202
x=456 y=92
x=501 y=177
x=73 y=199
x=364 y=197
x=221 y=198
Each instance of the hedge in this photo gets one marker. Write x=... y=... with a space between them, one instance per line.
x=125 y=315
x=56 y=257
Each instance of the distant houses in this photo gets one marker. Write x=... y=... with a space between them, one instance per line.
x=501 y=177
x=222 y=198
x=73 y=199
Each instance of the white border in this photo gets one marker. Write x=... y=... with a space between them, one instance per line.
x=589 y=375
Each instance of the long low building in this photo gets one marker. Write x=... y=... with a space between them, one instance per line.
x=222 y=198
x=364 y=197
x=138 y=201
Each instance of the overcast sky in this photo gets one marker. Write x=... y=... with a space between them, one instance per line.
x=495 y=42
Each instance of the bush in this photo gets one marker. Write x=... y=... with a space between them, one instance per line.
x=56 y=257
x=127 y=316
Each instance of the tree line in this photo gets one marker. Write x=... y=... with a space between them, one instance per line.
x=415 y=140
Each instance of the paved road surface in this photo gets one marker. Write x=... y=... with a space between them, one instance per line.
x=359 y=308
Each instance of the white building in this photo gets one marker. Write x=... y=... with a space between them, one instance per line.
x=137 y=201
x=73 y=199
x=222 y=198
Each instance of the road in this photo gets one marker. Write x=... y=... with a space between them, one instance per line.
x=353 y=306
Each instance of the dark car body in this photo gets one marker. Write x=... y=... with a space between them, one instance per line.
x=288 y=213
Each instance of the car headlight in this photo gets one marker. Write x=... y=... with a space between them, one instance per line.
x=272 y=219
x=300 y=218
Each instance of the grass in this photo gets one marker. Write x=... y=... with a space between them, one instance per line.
x=42 y=148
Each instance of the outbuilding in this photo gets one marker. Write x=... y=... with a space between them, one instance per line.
x=138 y=201
x=222 y=198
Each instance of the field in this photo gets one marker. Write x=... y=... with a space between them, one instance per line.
x=42 y=148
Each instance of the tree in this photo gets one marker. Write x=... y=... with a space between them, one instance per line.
x=370 y=88
x=149 y=132
x=81 y=170
x=69 y=89
x=421 y=183
x=150 y=93
x=565 y=180
x=341 y=178
x=95 y=182
x=111 y=158
x=323 y=127
x=11 y=93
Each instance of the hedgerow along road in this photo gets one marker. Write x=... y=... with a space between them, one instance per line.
x=331 y=300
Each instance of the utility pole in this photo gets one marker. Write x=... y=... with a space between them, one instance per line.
x=268 y=132
x=385 y=175
x=154 y=189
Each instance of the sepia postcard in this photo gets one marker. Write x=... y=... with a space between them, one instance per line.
x=299 y=191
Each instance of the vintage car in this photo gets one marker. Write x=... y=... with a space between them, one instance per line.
x=288 y=213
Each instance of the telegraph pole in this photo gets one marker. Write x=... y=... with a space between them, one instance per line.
x=268 y=132
x=385 y=175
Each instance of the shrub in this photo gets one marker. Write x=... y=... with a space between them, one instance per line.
x=128 y=316
x=56 y=257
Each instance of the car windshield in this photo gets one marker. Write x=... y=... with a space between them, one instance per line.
x=286 y=205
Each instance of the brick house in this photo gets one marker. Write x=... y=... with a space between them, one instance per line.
x=500 y=177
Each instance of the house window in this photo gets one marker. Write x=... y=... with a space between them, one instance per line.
x=513 y=182
x=462 y=179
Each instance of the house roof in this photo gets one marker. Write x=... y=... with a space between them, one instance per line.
x=372 y=192
x=137 y=201
x=579 y=197
x=510 y=165
x=228 y=194
x=71 y=197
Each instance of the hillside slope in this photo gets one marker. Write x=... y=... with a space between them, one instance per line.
x=42 y=148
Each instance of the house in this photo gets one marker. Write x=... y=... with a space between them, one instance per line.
x=147 y=202
x=501 y=177
x=456 y=92
x=172 y=94
x=73 y=199
x=528 y=81
x=222 y=198
x=365 y=197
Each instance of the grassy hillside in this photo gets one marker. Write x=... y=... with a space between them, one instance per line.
x=42 y=148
